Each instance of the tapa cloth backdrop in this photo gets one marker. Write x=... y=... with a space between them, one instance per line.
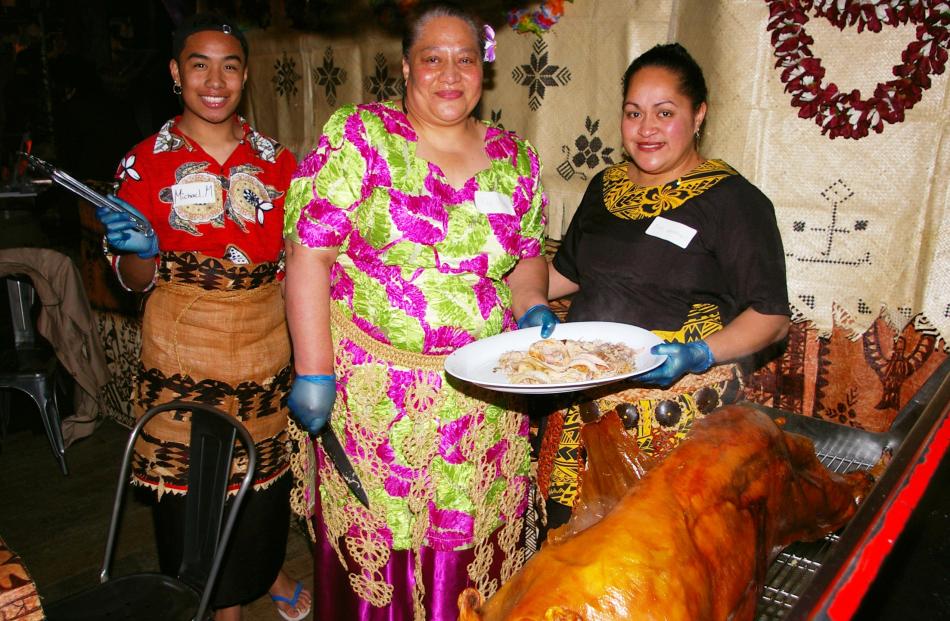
x=864 y=222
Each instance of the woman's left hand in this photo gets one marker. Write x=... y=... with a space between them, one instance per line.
x=681 y=358
x=311 y=400
x=539 y=315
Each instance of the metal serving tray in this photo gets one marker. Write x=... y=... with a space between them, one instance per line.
x=840 y=449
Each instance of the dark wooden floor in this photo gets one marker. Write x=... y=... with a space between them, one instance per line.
x=58 y=524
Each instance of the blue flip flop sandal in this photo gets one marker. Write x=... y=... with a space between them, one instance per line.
x=292 y=602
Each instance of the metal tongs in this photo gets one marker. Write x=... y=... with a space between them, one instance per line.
x=82 y=190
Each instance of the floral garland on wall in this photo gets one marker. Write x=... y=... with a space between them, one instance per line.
x=538 y=21
x=846 y=114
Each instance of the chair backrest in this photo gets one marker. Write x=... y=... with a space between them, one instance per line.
x=20 y=296
x=212 y=441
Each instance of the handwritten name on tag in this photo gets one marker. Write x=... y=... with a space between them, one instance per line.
x=493 y=202
x=673 y=232
x=197 y=193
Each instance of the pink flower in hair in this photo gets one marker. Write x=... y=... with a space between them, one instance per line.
x=489 y=34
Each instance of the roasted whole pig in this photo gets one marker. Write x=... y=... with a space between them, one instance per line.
x=692 y=539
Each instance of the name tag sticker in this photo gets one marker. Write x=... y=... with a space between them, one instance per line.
x=198 y=193
x=673 y=232
x=493 y=202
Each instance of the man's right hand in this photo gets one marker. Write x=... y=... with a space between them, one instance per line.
x=120 y=231
x=311 y=400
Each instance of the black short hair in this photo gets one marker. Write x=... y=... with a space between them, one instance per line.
x=424 y=11
x=200 y=22
x=675 y=58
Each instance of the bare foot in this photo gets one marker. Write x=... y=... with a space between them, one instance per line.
x=284 y=586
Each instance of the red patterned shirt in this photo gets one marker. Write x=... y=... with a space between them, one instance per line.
x=233 y=211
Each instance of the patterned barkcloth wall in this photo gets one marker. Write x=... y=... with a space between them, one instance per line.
x=864 y=222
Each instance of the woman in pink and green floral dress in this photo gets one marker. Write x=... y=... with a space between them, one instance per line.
x=414 y=229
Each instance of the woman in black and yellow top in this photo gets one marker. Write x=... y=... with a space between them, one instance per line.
x=675 y=243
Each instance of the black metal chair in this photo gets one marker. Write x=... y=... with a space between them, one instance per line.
x=185 y=596
x=28 y=364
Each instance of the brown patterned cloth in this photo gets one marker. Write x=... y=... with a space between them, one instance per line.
x=18 y=598
x=213 y=332
x=857 y=379
x=121 y=336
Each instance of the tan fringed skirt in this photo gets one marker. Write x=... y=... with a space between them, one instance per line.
x=213 y=332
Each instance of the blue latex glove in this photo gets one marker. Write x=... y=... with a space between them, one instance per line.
x=539 y=315
x=681 y=358
x=311 y=400
x=121 y=234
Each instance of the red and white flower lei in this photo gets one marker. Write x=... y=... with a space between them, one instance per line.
x=847 y=114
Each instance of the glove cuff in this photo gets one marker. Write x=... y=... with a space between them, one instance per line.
x=533 y=308
x=152 y=250
x=704 y=359
x=317 y=379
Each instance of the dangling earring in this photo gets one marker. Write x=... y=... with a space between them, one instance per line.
x=176 y=88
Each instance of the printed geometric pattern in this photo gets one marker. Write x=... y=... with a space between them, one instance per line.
x=702 y=320
x=166 y=460
x=121 y=341
x=329 y=76
x=826 y=234
x=625 y=199
x=537 y=75
x=382 y=84
x=589 y=153
x=861 y=382
x=780 y=382
x=210 y=273
x=285 y=76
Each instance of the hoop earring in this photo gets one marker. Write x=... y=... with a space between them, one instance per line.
x=176 y=88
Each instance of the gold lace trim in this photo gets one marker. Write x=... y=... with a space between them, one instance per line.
x=356 y=526
x=343 y=322
x=630 y=201
x=302 y=460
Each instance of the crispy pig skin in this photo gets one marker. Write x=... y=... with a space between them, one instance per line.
x=692 y=539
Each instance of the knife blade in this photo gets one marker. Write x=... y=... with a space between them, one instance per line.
x=336 y=454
